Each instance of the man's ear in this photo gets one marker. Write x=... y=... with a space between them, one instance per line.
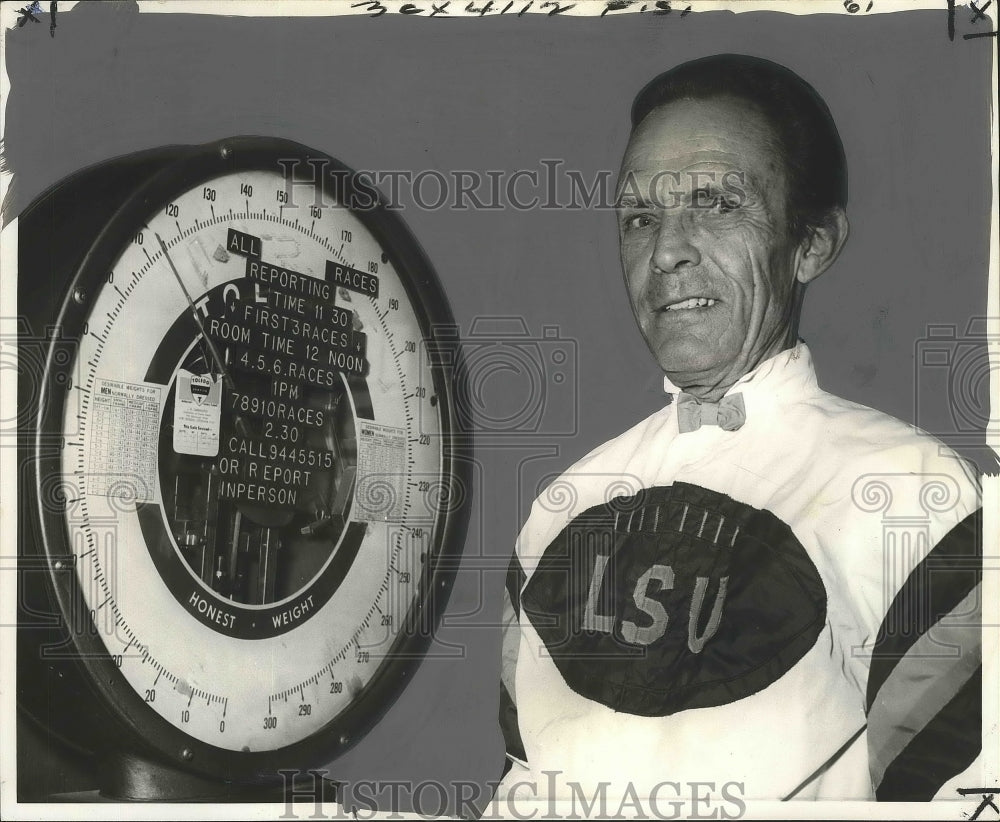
x=822 y=246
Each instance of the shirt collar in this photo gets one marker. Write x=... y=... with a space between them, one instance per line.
x=788 y=372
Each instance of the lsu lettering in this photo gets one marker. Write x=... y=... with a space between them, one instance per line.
x=676 y=598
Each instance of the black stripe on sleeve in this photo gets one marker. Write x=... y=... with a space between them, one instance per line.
x=947 y=745
x=939 y=582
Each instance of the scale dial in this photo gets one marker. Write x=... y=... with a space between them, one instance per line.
x=256 y=458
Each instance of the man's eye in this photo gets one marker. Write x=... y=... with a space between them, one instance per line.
x=638 y=221
x=725 y=204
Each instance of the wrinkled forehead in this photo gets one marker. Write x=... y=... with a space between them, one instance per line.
x=686 y=143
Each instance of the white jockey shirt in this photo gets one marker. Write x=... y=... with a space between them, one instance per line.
x=704 y=606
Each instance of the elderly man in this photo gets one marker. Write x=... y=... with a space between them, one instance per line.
x=761 y=589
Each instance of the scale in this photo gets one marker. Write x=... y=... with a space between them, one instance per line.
x=240 y=471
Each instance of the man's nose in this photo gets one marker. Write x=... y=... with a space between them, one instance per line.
x=673 y=249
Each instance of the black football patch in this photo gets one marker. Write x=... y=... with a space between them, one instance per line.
x=678 y=597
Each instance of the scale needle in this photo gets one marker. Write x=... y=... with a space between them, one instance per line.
x=197 y=317
x=240 y=423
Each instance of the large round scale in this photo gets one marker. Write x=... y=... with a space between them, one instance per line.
x=242 y=455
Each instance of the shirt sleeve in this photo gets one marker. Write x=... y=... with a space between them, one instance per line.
x=511 y=639
x=915 y=592
x=924 y=690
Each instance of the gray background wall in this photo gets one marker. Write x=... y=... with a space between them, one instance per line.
x=502 y=94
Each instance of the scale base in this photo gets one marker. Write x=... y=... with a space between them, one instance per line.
x=53 y=773
x=126 y=777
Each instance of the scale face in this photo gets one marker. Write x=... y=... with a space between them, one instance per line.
x=255 y=457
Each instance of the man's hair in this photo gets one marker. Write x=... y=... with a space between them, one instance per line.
x=811 y=147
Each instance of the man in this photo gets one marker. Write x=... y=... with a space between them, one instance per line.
x=783 y=600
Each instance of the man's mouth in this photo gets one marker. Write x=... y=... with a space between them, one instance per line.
x=690 y=303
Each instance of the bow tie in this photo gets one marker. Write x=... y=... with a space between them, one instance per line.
x=729 y=413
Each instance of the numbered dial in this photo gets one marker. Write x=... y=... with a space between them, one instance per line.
x=254 y=459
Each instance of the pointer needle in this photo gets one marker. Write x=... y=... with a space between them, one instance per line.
x=241 y=424
x=197 y=317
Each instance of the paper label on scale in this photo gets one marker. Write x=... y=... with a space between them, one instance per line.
x=197 y=413
x=124 y=427
x=382 y=476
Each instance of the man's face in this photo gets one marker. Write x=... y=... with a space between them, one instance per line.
x=705 y=245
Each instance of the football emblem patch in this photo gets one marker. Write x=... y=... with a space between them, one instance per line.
x=678 y=597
